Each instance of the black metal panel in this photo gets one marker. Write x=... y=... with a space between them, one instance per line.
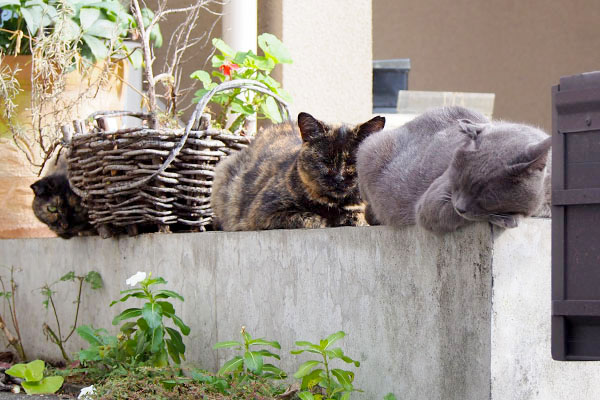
x=576 y=218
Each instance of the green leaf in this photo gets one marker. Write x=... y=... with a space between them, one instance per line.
x=128 y=328
x=331 y=339
x=90 y=354
x=152 y=314
x=141 y=322
x=219 y=75
x=269 y=370
x=97 y=46
x=305 y=368
x=126 y=314
x=177 y=340
x=156 y=281
x=238 y=107
x=345 y=396
x=270 y=110
x=304 y=343
x=88 y=334
x=94 y=279
x=235 y=364
x=389 y=396
x=47 y=385
x=34 y=371
x=163 y=358
x=313 y=379
x=264 y=342
x=163 y=294
x=350 y=361
x=267 y=353
x=139 y=295
x=306 y=396
x=104 y=29
x=345 y=378
x=157 y=339
x=136 y=58
x=173 y=351
x=17 y=370
x=70 y=276
x=203 y=77
x=167 y=308
x=87 y=17
x=31 y=20
x=261 y=63
x=334 y=353
x=223 y=345
x=223 y=47
x=179 y=323
x=253 y=361
x=274 y=48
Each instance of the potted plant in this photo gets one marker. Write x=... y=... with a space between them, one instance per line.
x=57 y=58
x=160 y=173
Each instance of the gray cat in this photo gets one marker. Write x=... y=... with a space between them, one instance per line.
x=452 y=165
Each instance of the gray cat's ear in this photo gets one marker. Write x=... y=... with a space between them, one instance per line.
x=470 y=128
x=534 y=158
x=310 y=127
x=371 y=126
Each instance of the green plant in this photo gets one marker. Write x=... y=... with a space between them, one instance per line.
x=143 y=341
x=93 y=28
x=34 y=381
x=9 y=296
x=94 y=279
x=319 y=372
x=250 y=363
x=245 y=65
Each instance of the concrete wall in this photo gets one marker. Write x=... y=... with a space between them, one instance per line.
x=516 y=49
x=462 y=316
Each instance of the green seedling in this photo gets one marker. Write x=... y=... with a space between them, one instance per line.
x=34 y=381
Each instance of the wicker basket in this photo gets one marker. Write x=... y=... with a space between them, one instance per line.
x=144 y=176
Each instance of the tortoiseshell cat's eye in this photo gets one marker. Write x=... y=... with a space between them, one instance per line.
x=51 y=209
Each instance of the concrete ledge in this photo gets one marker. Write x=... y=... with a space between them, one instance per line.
x=462 y=316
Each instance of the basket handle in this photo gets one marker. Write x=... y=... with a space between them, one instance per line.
x=193 y=121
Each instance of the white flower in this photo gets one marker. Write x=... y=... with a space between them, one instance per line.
x=135 y=279
x=83 y=395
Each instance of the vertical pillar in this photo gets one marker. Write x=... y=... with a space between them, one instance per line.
x=240 y=24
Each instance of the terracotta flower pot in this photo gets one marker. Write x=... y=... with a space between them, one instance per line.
x=16 y=173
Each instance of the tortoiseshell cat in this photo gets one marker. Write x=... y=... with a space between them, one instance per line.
x=283 y=180
x=56 y=205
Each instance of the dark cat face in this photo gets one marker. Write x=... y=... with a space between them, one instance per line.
x=498 y=176
x=327 y=160
x=57 y=206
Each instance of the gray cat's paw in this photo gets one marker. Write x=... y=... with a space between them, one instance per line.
x=505 y=221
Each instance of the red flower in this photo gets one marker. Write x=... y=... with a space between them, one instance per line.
x=227 y=67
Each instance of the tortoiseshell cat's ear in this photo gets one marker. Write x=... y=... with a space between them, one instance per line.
x=371 y=126
x=310 y=127
x=39 y=188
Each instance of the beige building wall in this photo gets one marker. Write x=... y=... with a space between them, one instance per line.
x=514 y=48
x=331 y=45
